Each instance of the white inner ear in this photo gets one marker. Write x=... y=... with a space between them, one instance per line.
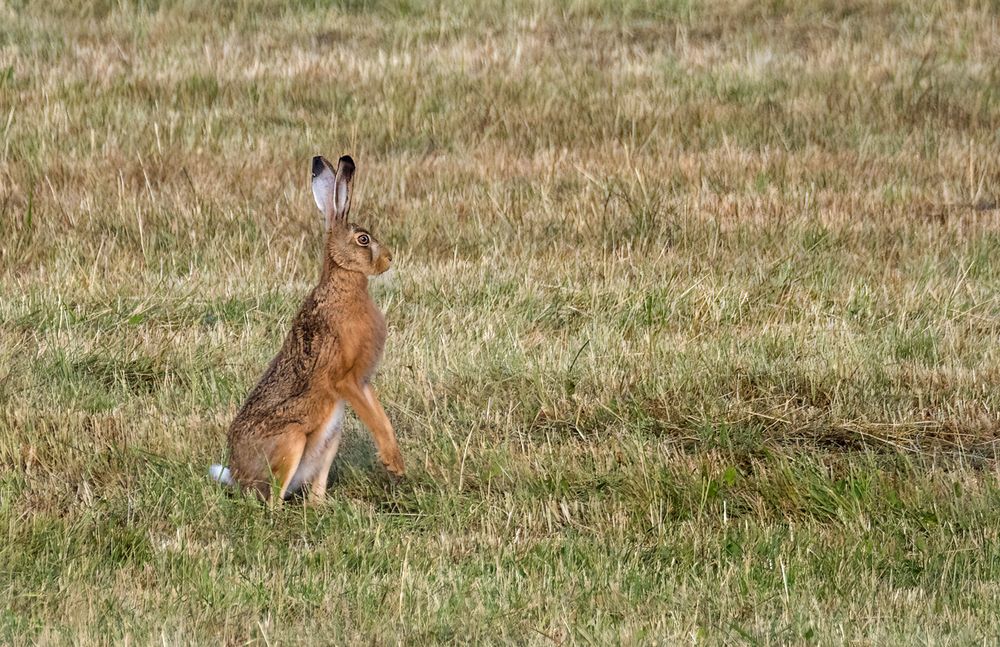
x=343 y=198
x=325 y=193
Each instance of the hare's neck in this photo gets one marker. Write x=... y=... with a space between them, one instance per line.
x=338 y=281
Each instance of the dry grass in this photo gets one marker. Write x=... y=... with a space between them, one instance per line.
x=694 y=332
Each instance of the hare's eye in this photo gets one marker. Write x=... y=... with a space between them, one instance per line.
x=363 y=240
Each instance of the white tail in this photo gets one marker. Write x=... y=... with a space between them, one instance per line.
x=220 y=474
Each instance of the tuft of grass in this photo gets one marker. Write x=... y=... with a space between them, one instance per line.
x=693 y=333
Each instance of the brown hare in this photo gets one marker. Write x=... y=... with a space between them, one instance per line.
x=288 y=430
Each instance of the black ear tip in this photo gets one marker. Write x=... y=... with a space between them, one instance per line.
x=318 y=165
x=346 y=163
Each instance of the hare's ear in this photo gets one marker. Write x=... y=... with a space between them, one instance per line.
x=324 y=184
x=342 y=193
x=332 y=191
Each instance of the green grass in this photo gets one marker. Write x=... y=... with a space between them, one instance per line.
x=694 y=334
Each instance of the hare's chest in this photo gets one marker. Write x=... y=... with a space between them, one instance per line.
x=361 y=341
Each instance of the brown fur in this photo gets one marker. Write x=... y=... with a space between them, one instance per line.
x=283 y=431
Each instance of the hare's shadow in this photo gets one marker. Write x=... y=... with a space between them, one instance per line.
x=357 y=453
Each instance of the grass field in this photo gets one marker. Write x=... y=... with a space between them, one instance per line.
x=694 y=333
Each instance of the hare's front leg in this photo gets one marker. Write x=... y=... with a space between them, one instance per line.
x=365 y=404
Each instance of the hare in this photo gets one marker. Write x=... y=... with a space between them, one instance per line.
x=290 y=426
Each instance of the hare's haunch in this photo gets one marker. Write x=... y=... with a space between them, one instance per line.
x=289 y=428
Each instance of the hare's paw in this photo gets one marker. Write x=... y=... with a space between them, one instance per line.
x=394 y=464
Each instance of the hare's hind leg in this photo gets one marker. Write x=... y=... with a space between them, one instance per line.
x=330 y=434
x=317 y=490
x=285 y=461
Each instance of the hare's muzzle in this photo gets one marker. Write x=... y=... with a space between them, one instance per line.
x=384 y=261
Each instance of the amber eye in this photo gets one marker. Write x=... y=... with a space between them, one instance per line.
x=363 y=240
